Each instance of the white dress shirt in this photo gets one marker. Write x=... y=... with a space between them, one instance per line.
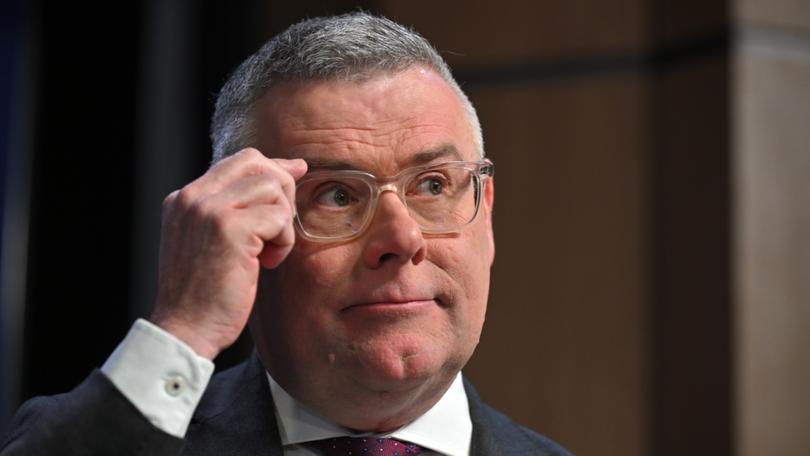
x=161 y=375
x=165 y=379
x=445 y=429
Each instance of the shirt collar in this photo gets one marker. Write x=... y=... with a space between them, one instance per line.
x=446 y=428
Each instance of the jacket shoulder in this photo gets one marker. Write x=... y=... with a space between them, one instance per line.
x=495 y=433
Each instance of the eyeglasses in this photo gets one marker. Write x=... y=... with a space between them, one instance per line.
x=338 y=205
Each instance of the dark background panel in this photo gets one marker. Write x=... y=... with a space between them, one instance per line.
x=81 y=186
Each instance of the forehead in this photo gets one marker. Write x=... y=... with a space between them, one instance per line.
x=379 y=124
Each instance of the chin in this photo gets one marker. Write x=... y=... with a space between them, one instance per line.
x=404 y=364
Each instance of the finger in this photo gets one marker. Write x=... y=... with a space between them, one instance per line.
x=265 y=188
x=272 y=223
x=254 y=190
x=244 y=163
x=296 y=167
x=274 y=253
x=271 y=232
x=292 y=171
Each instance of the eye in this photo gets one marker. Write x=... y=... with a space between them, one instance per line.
x=432 y=185
x=335 y=196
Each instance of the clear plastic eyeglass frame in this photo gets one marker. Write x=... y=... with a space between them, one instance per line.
x=480 y=173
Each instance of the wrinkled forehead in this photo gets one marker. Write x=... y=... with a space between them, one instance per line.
x=387 y=117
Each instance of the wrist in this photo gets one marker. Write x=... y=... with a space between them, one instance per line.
x=190 y=335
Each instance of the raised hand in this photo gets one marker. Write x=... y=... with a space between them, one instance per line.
x=216 y=233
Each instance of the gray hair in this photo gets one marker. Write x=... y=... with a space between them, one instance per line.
x=354 y=46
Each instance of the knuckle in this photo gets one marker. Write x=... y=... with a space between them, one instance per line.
x=283 y=218
x=271 y=189
x=257 y=165
x=277 y=219
x=272 y=186
x=183 y=197
x=246 y=155
x=169 y=207
x=287 y=180
x=250 y=152
x=217 y=219
x=169 y=200
x=252 y=156
x=202 y=210
x=220 y=223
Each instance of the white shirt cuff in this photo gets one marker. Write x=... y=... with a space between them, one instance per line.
x=162 y=376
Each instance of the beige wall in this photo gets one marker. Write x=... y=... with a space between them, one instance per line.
x=564 y=346
x=772 y=119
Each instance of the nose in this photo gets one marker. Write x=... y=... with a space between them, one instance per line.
x=393 y=236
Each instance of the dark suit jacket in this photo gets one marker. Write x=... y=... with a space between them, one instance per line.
x=235 y=417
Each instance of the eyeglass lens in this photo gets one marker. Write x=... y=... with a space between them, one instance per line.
x=439 y=200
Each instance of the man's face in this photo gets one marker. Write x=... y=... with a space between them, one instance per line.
x=393 y=313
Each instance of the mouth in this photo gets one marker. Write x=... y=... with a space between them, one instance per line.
x=393 y=306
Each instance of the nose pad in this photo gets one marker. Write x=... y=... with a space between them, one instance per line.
x=390 y=187
x=393 y=235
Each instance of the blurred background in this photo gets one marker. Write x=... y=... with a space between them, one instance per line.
x=651 y=291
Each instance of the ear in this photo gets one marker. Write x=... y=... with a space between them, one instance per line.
x=488 y=205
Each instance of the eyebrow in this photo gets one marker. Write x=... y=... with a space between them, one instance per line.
x=442 y=151
x=419 y=158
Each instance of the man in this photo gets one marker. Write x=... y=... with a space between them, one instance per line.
x=347 y=220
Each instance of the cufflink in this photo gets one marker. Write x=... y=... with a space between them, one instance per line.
x=174 y=385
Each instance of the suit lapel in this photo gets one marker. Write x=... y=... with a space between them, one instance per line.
x=236 y=415
x=484 y=442
x=495 y=434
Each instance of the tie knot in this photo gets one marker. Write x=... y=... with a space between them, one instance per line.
x=364 y=446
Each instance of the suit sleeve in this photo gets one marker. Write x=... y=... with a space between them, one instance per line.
x=93 y=419
x=140 y=402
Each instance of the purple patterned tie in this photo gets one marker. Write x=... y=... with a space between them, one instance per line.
x=364 y=446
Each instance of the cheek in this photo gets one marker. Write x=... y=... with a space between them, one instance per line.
x=301 y=300
x=315 y=268
x=466 y=265
x=309 y=284
x=473 y=254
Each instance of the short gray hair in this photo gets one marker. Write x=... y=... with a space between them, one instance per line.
x=353 y=46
